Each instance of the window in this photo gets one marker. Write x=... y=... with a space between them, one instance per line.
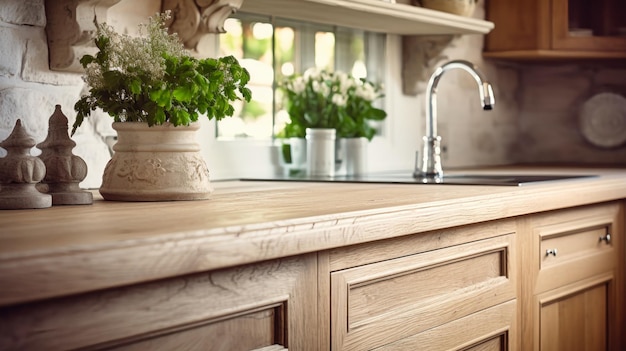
x=272 y=49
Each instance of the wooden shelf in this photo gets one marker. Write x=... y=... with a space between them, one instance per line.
x=371 y=15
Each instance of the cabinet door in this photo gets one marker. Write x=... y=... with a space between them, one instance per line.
x=263 y=306
x=572 y=285
x=556 y=29
x=589 y=25
x=575 y=317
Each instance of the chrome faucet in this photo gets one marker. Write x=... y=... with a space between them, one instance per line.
x=430 y=168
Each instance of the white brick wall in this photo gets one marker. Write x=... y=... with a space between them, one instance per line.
x=29 y=90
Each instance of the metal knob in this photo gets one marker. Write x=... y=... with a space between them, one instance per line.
x=606 y=238
x=551 y=252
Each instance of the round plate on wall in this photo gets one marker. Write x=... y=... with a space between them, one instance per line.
x=603 y=120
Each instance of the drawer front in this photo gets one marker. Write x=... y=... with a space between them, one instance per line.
x=558 y=248
x=493 y=329
x=268 y=305
x=574 y=250
x=379 y=303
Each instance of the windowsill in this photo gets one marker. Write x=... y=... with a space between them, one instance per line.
x=371 y=15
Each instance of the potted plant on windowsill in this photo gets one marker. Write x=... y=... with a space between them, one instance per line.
x=334 y=100
x=156 y=92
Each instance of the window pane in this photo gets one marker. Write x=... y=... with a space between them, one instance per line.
x=250 y=40
x=272 y=49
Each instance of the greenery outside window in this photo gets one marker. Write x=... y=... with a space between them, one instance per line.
x=273 y=48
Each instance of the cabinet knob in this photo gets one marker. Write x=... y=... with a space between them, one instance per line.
x=606 y=238
x=551 y=252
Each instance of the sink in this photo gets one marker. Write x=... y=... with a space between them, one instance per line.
x=452 y=179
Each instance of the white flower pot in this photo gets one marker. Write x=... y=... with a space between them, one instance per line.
x=158 y=163
x=320 y=151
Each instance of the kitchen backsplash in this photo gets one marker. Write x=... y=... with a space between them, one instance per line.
x=551 y=104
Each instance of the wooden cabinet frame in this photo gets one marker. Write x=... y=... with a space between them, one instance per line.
x=540 y=30
x=545 y=284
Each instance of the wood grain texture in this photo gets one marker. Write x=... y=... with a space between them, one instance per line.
x=356 y=255
x=490 y=329
x=583 y=264
x=74 y=249
x=376 y=304
x=576 y=317
x=243 y=308
x=540 y=30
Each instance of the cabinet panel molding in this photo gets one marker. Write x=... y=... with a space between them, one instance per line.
x=492 y=329
x=577 y=295
x=266 y=303
x=376 y=304
x=356 y=255
x=575 y=317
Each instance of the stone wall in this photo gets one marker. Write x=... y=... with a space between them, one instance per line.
x=29 y=90
x=550 y=106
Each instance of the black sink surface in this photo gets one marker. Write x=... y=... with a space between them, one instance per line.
x=452 y=179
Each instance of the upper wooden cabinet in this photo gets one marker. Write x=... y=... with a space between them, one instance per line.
x=556 y=29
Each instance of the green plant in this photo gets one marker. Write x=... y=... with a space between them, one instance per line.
x=321 y=99
x=151 y=78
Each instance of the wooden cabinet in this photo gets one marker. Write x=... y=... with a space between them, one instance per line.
x=453 y=289
x=573 y=299
x=556 y=29
x=269 y=305
x=474 y=273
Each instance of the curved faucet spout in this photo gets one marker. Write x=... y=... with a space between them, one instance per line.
x=431 y=159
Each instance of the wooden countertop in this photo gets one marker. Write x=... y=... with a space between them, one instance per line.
x=71 y=249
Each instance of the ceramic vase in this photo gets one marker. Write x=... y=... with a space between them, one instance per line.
x=158 y=163
x=320 y=152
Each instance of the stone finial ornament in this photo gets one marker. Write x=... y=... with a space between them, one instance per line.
x=20 y=172
x=64 y=170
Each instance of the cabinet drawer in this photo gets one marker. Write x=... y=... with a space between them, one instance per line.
x=268 y=305
x=574 y=250
x=379 y=303
x=558 y=247
x=492 y=329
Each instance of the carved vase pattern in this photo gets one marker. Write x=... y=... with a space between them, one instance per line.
x=158 y=163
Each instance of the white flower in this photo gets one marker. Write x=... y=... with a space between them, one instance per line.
x=312 y=74
x=366 y=92
x=345 y=83
x=339 y=100
x=325 y=91
x=298 y=85
x=316 y=86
